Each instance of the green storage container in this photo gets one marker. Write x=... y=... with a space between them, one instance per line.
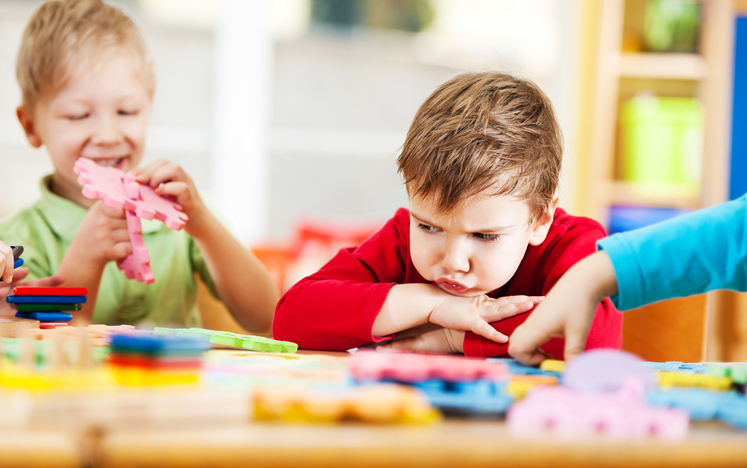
x=662 y=140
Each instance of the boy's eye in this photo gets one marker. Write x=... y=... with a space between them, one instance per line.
x=128 y=112
x=77 y=116
x=486 y=237
x=427 y=228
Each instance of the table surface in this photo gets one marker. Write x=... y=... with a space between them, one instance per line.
x=454 y=443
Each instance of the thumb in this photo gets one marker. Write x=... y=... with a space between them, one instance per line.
x=575 y=343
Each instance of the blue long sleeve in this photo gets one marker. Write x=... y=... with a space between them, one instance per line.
x=687 y=255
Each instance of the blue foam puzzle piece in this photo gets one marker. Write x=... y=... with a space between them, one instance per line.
x=156 y=344
x=733 y=409
x=46 y=316
x=677 y=366
x=479 y=396
x=701 y=404
x=46 y=299
x=18 y=263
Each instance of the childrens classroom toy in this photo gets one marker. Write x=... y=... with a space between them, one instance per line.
x=17 y=251
x=142 y=359
x=51 y=306
x=385 y=403
x=231 y=340
x=451 y=383
x=120 y=191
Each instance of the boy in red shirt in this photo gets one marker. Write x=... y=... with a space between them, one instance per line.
x=480 y=245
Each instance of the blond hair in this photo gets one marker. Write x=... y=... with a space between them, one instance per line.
x=484 y=131
x=62 y=35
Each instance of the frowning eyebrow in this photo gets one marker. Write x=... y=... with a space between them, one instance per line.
x=489 y=230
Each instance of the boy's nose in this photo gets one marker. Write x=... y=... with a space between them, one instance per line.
x=107 y=132
x=456 y=257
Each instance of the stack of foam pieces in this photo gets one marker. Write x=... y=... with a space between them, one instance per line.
x=51 y=306
x=147 y=359
x=231 y=340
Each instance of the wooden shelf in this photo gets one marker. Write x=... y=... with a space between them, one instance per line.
x=662 y=66
x=673 y=196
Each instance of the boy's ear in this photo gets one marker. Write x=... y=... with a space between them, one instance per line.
x=27 y=122
x=542 y=225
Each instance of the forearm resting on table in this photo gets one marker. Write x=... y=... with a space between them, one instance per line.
x=406 y=306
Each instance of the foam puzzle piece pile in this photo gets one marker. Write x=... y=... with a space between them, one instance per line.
x=451 y=383
x=140 y=359
x=51 y=306
x=120 y=191
x=232 y=340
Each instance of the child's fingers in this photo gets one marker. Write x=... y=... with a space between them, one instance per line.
x=525 y=344
x=20 y=274
x=113 y=212
x=121 y=249
x=166 y=173
x=145 y=174
x=6 y=256
x=494 y=314
x=482 y=328
x=173 y=189
x=47 y=282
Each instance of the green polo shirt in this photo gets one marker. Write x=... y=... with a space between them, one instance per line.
x=46 y=229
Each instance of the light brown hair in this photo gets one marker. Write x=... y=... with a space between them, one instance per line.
x=63 y=35
x=484 y=131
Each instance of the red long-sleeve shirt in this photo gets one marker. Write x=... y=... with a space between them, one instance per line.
x=335 y=308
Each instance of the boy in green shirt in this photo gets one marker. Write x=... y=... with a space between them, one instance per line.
x=87 y=82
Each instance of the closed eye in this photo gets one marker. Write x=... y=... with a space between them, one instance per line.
x=128 y=112
x=486 y=237
x=77 y=116
x=427 y=228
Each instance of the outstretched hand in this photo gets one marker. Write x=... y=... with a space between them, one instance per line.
x=21 y=273
x=567 y=312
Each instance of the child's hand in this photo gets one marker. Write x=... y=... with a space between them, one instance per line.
x=476 y=313
x=568 y=311
x=429 y=339
x=102 y=236
x=169 y=179
x=20 y=274
x=6 y=262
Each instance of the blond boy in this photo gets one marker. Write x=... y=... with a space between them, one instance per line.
x=87 y=82
x=480 y=245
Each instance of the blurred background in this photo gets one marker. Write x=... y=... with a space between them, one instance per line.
x=289 y=115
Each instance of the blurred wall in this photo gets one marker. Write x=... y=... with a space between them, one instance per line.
x=339 y=101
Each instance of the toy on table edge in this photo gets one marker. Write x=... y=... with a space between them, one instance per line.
x=48 y=305
x=120 y=191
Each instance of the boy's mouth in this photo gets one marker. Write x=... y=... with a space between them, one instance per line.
x=450 y=286
x=110 y=162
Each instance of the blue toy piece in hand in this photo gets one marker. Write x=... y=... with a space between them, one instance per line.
x=17 y=251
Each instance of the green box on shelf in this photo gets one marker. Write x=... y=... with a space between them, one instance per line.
x=662 y=140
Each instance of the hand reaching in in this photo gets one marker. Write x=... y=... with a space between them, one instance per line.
x=18 y=276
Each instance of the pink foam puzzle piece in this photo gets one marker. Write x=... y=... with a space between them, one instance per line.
x=409 y=367
x=161 y=208
x=102 y=183
x=571 y=414
x=137 y=264
x=117 y=190
x=603 y=370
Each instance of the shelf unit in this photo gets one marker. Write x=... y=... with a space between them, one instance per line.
x=612 y=71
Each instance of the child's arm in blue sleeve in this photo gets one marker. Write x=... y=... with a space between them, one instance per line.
x=687 y=255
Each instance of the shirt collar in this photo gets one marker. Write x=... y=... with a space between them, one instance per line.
x=65 y=216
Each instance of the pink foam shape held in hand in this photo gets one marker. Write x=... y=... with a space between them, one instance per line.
x=121 y=191
x=137 y=264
